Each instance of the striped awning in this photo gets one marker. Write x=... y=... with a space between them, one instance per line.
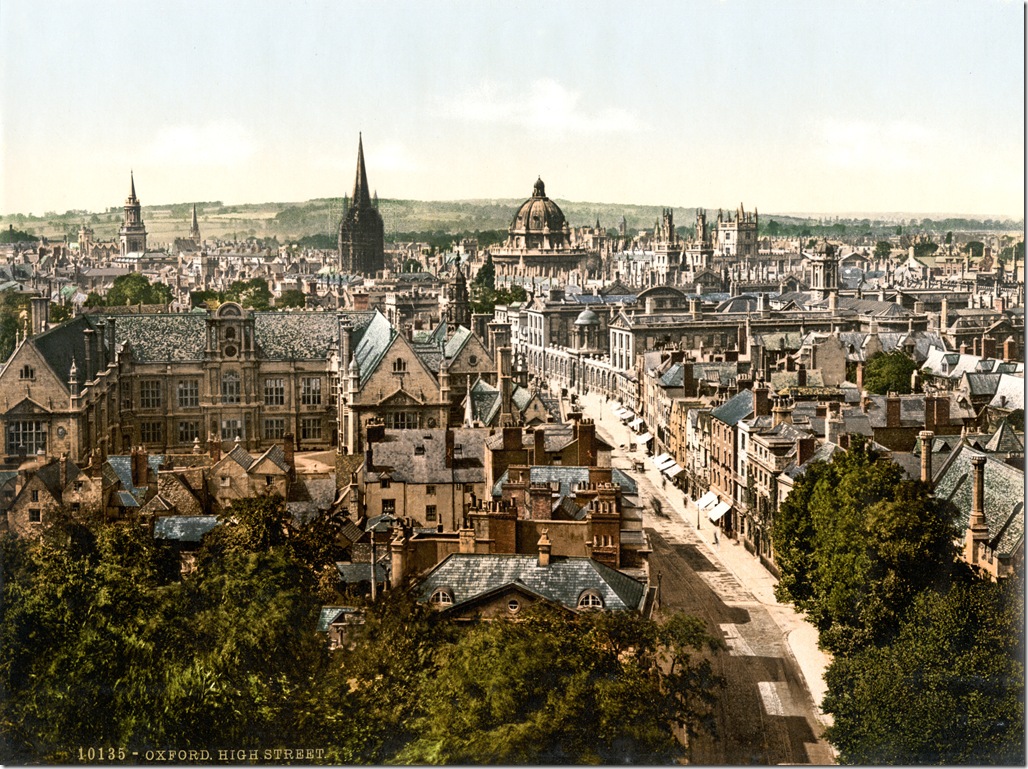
x=660 y=458
x=707 y=500
x=666 y=463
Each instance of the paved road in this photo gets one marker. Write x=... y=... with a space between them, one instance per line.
x=765 y=713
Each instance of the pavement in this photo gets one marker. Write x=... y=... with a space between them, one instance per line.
x=684 y=519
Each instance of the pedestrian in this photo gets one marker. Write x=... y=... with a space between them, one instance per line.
x=715 y=537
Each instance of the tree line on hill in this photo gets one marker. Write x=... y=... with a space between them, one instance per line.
x=104 y=645
x=928 y=655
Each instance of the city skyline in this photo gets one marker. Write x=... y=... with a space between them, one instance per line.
x=794 y=108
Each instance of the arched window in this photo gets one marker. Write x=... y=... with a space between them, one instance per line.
x=230 y=387
x=513 y=605
x=442 y=597
x=399 y=366
x=590 y=599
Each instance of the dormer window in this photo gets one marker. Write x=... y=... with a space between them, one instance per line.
x=590 y=600
x=442 y=597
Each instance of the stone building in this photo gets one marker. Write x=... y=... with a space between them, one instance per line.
x=361 y=232
x=132 y=234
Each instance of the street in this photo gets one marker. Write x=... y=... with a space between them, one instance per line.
x=765 y=714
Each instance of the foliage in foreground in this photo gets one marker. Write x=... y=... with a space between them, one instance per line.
x=104 y=645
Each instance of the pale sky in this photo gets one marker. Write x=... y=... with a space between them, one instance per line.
x=800 y=106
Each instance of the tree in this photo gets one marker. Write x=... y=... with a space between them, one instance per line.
x=889 y=372
x=253 y=294
x=975 y=248
x=882 y=249
x=290 y=298
x=925 y=248
x=135 y=288
x=859 y=543
x=14 y=308
x=557 y=688
x=486 y=275
x=59 y=313
x=948 y=690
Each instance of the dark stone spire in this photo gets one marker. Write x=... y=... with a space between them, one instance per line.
x=361 y=197
x=132 y=186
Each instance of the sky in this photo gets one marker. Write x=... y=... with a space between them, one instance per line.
x=789 y=107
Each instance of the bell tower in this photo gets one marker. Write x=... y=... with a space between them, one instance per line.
x=132 y=233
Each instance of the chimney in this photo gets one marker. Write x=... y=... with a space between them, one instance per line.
x=449 y=447
x=805 y=449
x=586 y=433
x=214 y=447
x=929 y=412
x=927 y=437
x=511 y=438
x=860 y=376
x=696 y=308
x=63 y=469
x=540 y=447
x=999 y=304
x=288 y=449
x=781 y=412
x=544 y=550
x=801 y=376
x=978 y=529
x=1009 y=349
x=944 y=315
x=892 y=410
x=761 y=403
x=139 y=466
x=833 y=428
x=398 y=560
x=40 y=311
x=88 y=375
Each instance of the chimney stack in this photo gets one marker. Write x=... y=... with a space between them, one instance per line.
x=544 y=550
x=540 y=446
x=892 y=410
x=927 y=437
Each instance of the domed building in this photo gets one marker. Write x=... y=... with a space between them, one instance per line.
x=539 y=242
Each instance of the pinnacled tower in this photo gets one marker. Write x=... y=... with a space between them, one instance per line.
x=132 y=233
x=458 y=308
x=194 y=228
x=361 y=233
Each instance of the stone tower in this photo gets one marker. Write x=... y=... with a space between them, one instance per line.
x=458 y=308
x=194 y=228
x=824 y=266
x=132 y=233
x=361 y=233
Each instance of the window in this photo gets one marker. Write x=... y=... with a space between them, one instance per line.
x=388 y=507
x=226 y=481
x=35 y=515
x=384 y=483
x=513 y=605
x=430 y=514
x=151 y=432
x=26 y=435
x=404 y=420
x=34 y=495
x=310 y=391
x=188 y=393
x=150 y=394
x=419 y=451
x=274 y=429
x=310 y=428
x=441 y=597
x=231 y=429
x=590 y=599
x=430 y=489
x=230 y=333
x=399 y=366
x=230 y=388
x=269 y=480
x=188 y=431
x=274 y=392
x=27 y=372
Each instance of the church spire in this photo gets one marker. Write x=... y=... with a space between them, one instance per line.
x=194 y=228
x=361 y=198
x=132 y=186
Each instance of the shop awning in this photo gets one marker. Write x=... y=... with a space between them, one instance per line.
x=707 y=500
x=626 y=415
x=644 y=438
x=635 y=423
x=616 y=407
x=719 y=510
x=666 y=464
x=672 y=471
x=660 y=458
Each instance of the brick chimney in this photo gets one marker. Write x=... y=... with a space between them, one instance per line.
x=942 y=401
x=544 y=546
x=860 y=376
x=805 y=447
x=585 y=431
x=214 y=447
x=892 y=410
x=540 y=447
x=466 y=538
x=801 y=376
x=761 y=402
x=978 y=529
x=140 y=461
x=540 y=502
x=40 y=314
x=398 y=560
x=449 y=446
x=927 y=438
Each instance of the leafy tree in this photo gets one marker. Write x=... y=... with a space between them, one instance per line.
x=11 y=235
x=975 y=248
x=949 y=690
x=93 y=299
x=874 y=541
x=925 y=248
x=889 y=372
x=14 y=308
x=556 y=688
x=882 y=249
x=486 y=275
x=59 y=313
x=290 y=298
x=135 y=288
x=949 y=238
x=253 y=294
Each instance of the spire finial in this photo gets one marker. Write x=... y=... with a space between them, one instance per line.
x=132 y=184
x=361 y=198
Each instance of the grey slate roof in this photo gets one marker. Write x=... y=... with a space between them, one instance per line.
x=332 y=614
x=471 y=575
x=1004 y=497
x=419 y=456
x=163 y=337
x=457 y=341
x=296 y=335
x=184 y=528
x=1006 y=441
x=351 y=573
x=740 y=406
x=674 y=376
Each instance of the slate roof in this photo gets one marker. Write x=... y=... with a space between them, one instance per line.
x=457 y=341
x=1005 y=440
x=163 y=337
x=1004 y=497
x=738 y=407
x=674 y=376
x=351 y=573
x=1009 y=393
x=371 y=342
x=296 y=335
x=716 y=373
x=471 y=575
x=981 y=384
x=184 y=528
x=241 y=456
x=329 y=615
x=398 y=457
x=568 y=475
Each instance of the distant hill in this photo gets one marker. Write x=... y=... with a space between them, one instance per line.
x=291 y=221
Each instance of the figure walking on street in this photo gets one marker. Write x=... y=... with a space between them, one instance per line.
x=715 y=537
